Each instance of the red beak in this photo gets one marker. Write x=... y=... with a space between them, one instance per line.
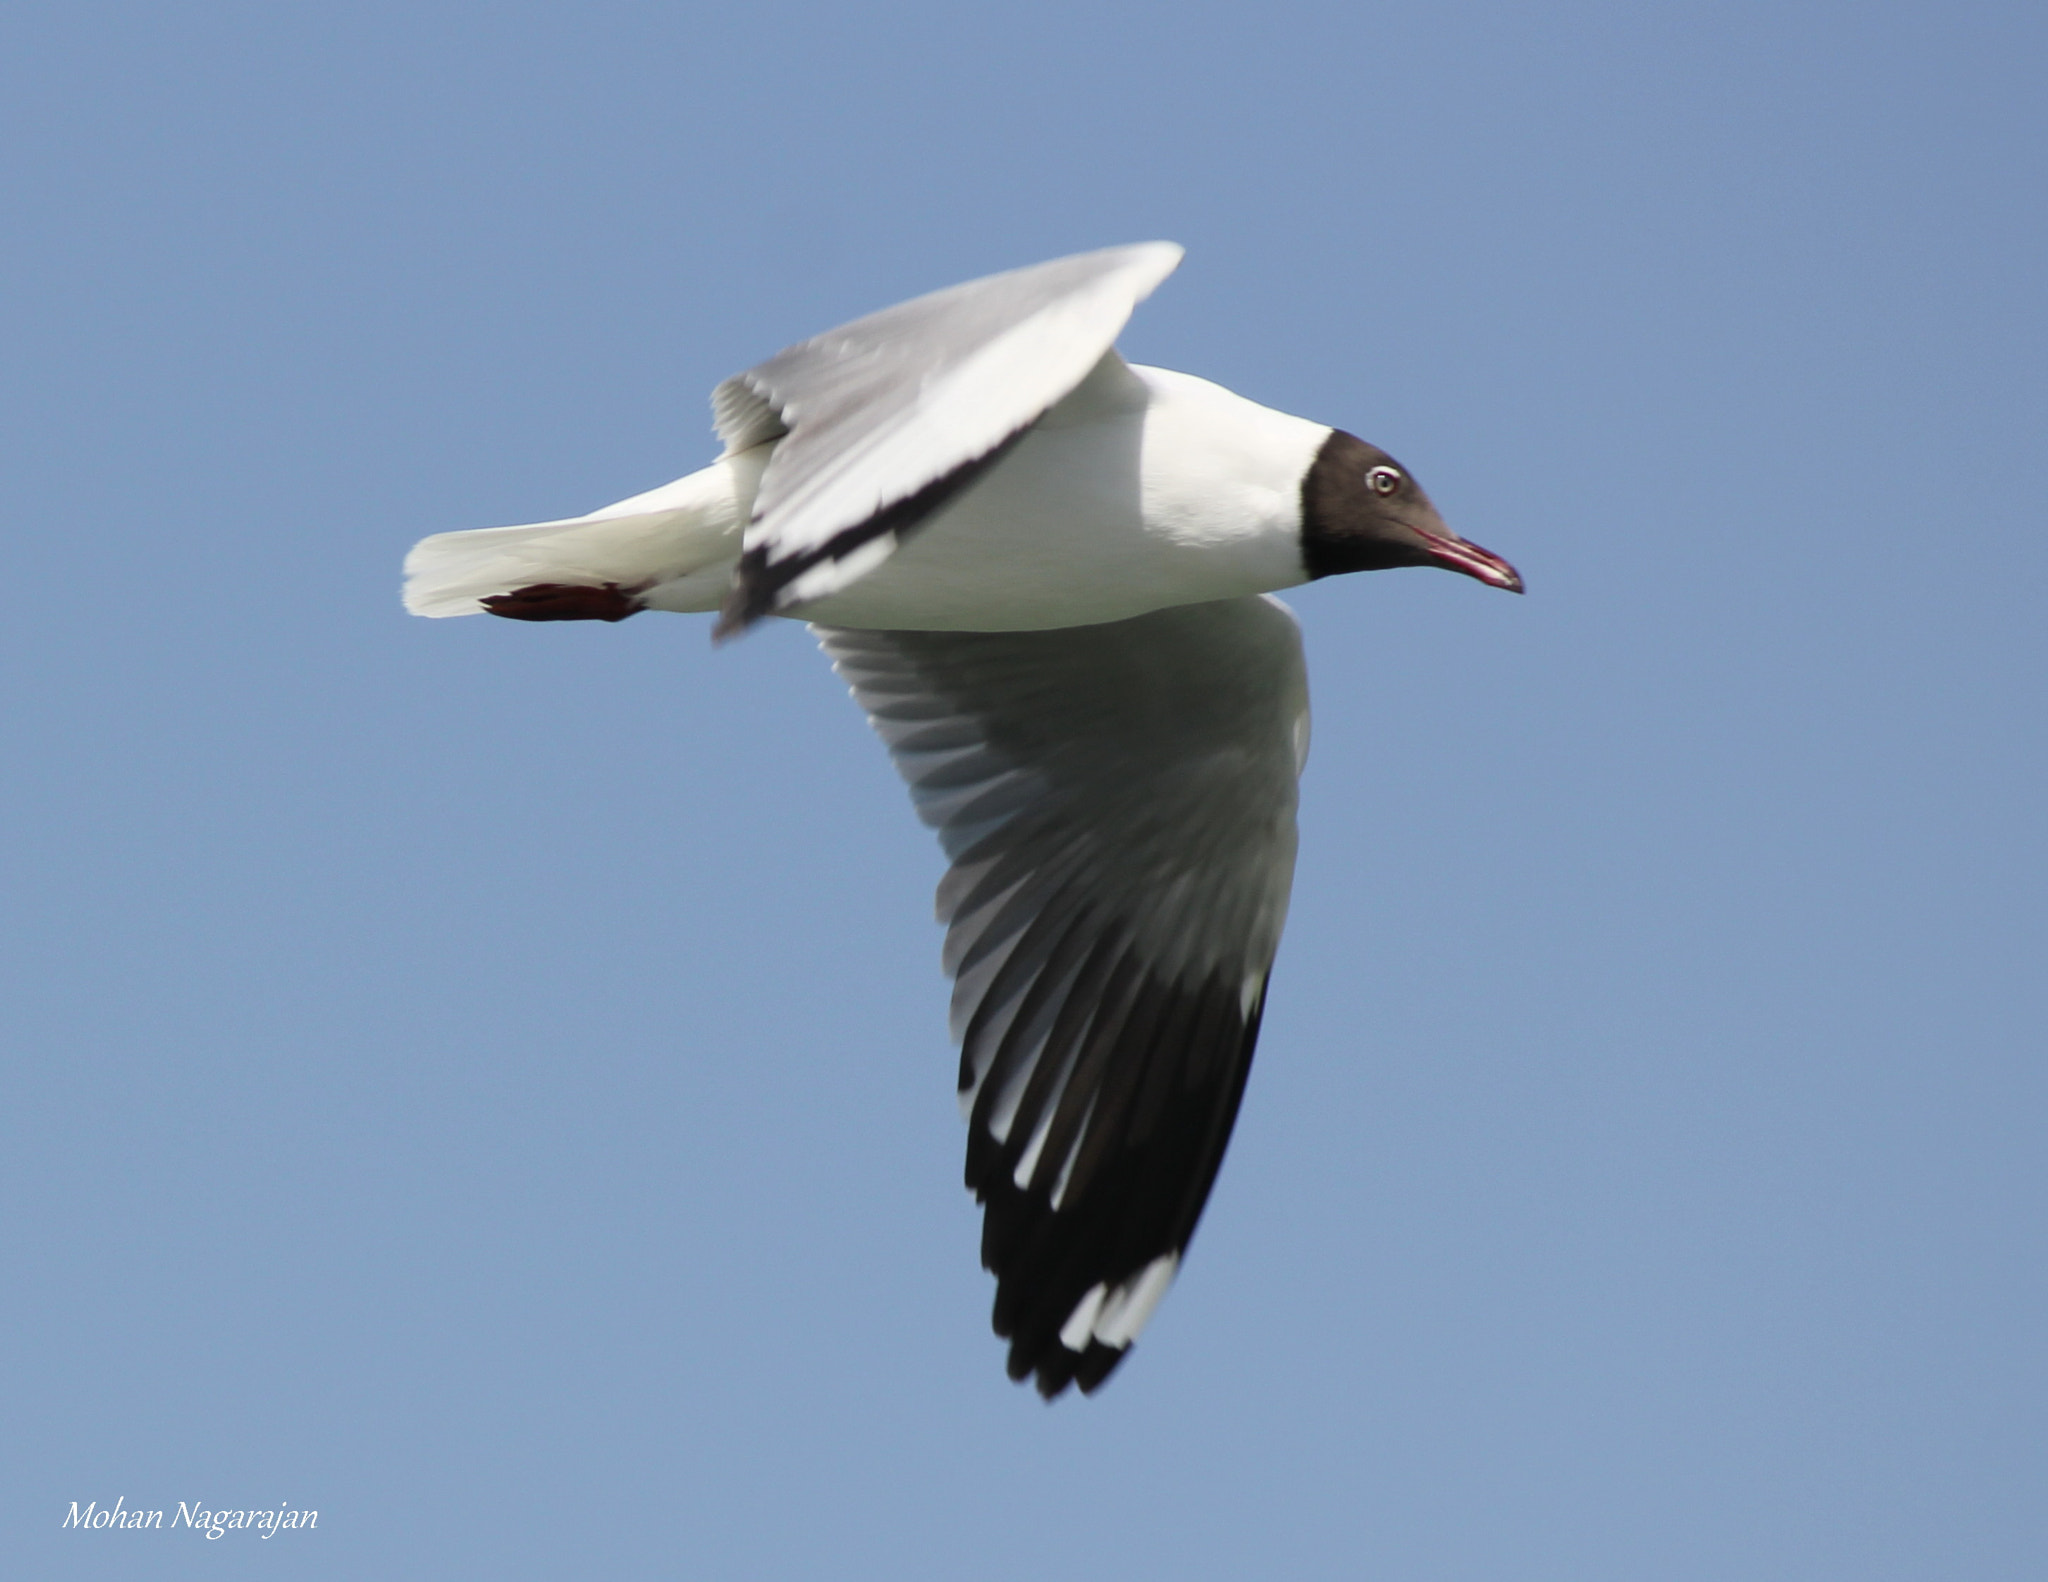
x=1454 y=554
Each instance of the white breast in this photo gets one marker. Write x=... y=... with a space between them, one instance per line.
x=1105 y=510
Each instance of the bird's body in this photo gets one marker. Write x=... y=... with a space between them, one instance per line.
x=1142 y=489
x=1046 y=576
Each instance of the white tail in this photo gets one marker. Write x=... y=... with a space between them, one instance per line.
x=682 y=530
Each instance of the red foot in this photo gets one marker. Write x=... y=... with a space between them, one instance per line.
x=561 y=601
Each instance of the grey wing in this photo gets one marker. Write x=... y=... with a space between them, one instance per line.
x=883 y=420
x=1118 y=805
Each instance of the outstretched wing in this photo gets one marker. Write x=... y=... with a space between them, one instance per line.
x=884 y=420
x=1118 y=805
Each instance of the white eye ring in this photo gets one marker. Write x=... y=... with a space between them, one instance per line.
x=1383 y=480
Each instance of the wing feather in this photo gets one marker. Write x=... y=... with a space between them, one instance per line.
x=1118 y=805
x=882 y=421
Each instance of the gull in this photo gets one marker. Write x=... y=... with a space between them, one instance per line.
x=1046 y=575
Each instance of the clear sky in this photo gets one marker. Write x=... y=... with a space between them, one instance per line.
x=489 y=1084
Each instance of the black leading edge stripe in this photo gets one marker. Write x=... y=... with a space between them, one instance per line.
x=759 y=580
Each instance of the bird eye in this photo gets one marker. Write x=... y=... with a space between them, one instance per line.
x=1383 y=480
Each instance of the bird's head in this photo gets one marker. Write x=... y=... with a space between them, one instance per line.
x=1361 y=511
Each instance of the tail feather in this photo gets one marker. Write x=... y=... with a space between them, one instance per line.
x=659 y=537
x=450 y=573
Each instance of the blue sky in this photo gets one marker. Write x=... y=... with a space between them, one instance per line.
x=488 y=1083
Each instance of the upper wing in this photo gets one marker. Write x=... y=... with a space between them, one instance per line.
x=883 y=420
x=1118 y=804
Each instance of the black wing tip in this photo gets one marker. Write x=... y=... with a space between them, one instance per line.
x=1185 y=1079
x=1020 y=1315
x=1057 y=1367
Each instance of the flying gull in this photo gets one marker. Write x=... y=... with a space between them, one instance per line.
x=1046 y=575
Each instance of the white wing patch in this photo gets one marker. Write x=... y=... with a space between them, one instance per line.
x=1114 y=1316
